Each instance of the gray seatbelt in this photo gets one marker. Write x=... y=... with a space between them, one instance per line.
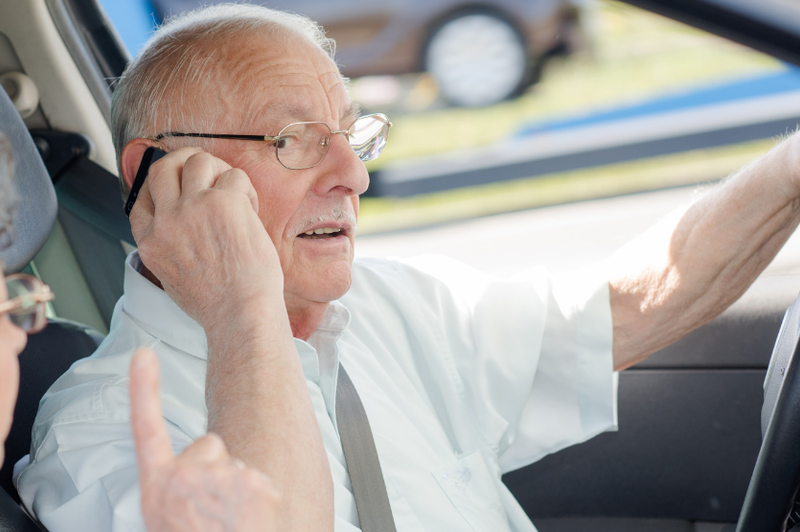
x=366 y=477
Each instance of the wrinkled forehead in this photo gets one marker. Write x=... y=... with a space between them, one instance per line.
x=270 y=82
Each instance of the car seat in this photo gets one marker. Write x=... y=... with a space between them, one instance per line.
x=50 y=352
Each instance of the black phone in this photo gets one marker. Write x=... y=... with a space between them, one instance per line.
x=150 y=156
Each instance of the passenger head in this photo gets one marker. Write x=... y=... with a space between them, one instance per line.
x=244 y=69
x=12 y=338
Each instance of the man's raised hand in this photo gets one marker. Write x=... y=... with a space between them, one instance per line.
x=198 y=232
x=203 y=488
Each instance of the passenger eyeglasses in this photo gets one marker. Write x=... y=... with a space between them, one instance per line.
x=27 y=302
x=303 y=145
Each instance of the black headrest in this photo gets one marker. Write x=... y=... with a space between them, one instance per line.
x=37 y=209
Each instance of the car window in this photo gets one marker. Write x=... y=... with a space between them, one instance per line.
x=601 y=99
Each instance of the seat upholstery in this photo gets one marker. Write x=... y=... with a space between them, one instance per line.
x=37 y=210
x=12 y=518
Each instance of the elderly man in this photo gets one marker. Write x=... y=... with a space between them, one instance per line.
x=177 y=490
x=245 y=287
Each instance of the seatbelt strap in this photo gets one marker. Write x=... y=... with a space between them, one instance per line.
x=366 y=477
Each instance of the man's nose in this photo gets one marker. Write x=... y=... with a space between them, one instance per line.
x=341 y=171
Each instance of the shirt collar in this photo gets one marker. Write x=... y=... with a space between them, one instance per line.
x=153 y=310
x=336 y=320
x=320 y=354
x=321 y=345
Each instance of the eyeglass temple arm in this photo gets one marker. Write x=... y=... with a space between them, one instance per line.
x=258 y=138
x=17 y=302
x=10 y=305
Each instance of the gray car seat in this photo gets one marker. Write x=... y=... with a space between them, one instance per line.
x=50 y=352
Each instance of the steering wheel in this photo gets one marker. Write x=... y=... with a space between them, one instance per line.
x=770 y=504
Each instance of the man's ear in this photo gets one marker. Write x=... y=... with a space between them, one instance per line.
x=131 y=158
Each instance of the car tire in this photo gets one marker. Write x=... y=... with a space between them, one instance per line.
x=477 y=59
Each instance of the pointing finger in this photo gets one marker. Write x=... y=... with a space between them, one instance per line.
x=153 y=448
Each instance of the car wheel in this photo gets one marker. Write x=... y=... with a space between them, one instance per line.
x=477 y=59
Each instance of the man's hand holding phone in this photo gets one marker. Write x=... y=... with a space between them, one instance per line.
x=197 y=227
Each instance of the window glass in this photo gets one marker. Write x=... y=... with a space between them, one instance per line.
x=612 y=100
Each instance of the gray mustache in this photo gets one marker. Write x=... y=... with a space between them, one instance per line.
x=335 y=215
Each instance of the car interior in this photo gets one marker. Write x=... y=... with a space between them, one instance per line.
x=705 y=444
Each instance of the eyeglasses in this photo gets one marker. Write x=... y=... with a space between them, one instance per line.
x=27 y=302
x=303 y=145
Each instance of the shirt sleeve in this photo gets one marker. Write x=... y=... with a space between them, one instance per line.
x=83 y=475
x=573 y=396
x=532 y=354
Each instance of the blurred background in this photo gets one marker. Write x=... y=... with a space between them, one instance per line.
x=569 y=125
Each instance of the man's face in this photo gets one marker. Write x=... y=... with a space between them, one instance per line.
x=12 y=341
x=294 y=83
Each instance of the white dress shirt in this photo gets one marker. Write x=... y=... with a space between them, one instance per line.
x=463 y=377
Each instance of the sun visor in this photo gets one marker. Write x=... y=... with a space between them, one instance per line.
x=36 y=211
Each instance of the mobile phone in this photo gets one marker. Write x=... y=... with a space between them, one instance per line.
x=151 y=155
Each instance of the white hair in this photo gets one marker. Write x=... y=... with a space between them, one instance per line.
x=181 y=60
x=8 y=195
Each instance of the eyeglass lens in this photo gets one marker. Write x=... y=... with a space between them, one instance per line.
x=368 y=137
x=303 y=146
x=31 y=314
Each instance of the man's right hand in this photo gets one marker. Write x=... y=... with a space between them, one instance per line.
x=197 y=228
x=201 y=490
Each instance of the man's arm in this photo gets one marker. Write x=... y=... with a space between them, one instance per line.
x=684 y=272
x=198 y=232
x=259 y=404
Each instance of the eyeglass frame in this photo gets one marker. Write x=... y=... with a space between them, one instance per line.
x=41 y=294
x=273 y=138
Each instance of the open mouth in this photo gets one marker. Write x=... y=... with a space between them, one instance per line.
x=323 y=232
